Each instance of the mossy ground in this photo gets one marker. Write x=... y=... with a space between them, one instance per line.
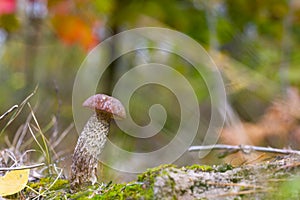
x=50 y=188
x=60 y=190
x=275 y=179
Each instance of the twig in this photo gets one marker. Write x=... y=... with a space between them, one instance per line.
x=290 y=165
x=240 y=193
x=22 y=167
x=244 y=148
x=235 y=185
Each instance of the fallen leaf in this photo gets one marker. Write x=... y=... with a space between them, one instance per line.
x=13 y=182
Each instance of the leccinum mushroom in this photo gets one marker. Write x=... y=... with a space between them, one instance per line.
x=93 y=138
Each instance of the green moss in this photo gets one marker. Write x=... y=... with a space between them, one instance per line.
x=45 y=183
x=49 y=188
x=208 y=168
x=133 y=190
x=60 y=184
x=142 y=189
x=150 y=174
x=223 y=168
x=80 y=195
x=56 y=189
x=203 y=168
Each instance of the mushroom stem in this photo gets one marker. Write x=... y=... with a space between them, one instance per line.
x=88 y=149
x=93 y=138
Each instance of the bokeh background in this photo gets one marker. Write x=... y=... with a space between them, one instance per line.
x=255 y=44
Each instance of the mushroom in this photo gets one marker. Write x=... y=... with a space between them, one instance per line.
x=93 y=138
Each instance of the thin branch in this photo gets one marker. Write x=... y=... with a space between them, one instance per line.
x=239 y=193
x=243 y=148
x=235 y=185
x=22 y=167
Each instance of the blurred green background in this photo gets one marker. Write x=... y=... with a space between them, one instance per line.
x=43 y=42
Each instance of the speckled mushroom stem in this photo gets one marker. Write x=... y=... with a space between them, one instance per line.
x=88 y=149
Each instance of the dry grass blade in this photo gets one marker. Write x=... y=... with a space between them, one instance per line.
x=25 y=153
x=8 y=111
x=7 y=141
x=37 y=142
x=52 y=184
x=63 y=135
x=30 y=140
x=51 y=125
x=45 y=150
x=33 y=190
x=18 y=110
x=54 y=125
x=17 y=135
x=11 y=156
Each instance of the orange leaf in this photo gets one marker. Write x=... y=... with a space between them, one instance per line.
x=72 y=30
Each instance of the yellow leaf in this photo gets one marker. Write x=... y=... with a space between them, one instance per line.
x=13 y=182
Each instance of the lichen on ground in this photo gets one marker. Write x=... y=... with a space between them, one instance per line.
x=257 y=181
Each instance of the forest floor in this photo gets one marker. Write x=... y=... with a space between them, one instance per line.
x=277 y=178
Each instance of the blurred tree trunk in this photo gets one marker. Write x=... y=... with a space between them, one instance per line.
x=114 y=26
x=35 y=12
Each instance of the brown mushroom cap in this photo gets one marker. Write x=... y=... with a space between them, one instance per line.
x=107 y=104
